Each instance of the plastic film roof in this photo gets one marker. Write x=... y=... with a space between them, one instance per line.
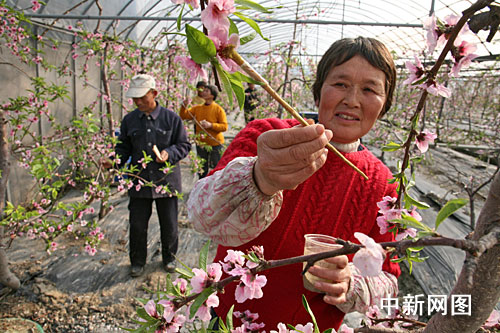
x=315 y=24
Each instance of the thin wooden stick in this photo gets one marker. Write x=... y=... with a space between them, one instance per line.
x=265 y=85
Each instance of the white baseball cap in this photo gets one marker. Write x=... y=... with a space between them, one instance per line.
x=140 y=85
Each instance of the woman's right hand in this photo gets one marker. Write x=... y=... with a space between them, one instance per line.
x=287 y=157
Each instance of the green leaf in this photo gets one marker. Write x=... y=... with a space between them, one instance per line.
x=201 y=48
x=239 y=91
x=184 y=272
x=233 y=29
x=243 y=78
x=222 y=326
x=225 y=82
x=229 y=318
x=204 y=255
x=202 y=297
x=179 y=18
x=308 y=309
x=248 y=38
x=251 y=23
x=422 y=234
x=253 y=5
x=391 y=146
x=416 y=203
x=410 y=221
x=448 y=209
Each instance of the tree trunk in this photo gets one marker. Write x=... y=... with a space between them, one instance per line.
x=485 y=288
x=6 y=277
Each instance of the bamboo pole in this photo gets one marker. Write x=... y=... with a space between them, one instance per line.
x=265 y=85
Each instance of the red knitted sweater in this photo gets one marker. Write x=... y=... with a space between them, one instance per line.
x=335 y=201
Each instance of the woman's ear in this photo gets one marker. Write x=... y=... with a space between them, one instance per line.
x=316 y=102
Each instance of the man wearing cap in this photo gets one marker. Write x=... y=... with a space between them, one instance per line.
x=147 y=126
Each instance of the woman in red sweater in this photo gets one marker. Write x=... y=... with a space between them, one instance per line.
x=277 y=182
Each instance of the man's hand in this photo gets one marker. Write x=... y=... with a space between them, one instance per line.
x=287 y=157
x=161 y=157
x=206 y=124
x=338 y=279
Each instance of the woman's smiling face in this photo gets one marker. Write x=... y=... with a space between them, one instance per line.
x=352 y=98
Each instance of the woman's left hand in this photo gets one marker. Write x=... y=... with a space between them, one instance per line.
x=336 y=287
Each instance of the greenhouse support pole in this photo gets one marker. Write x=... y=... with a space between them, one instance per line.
x=288 y=58
x=73 y=80
x=37 y=74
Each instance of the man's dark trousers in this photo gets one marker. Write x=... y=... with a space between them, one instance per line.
x=140 y=211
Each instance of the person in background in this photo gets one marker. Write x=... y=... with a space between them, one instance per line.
x=200 y=85
x=211 y=123
x=251 y=102
x=277 y=182
x=147 y=126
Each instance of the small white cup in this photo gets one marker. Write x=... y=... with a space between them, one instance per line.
x=316 y=243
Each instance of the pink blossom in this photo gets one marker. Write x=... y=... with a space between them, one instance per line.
x=463 y=56
x=204 y=311
x=463 y=62
x=432 y=32
x=35 y=5
x=215 y=14
x=281 y=329
x=254 y=327
x=192 y=3
x=214 y=271
x=423 y=139
x=345 y=329
x=173 y=320
x=373 y=312
x=383 y=224
x=437 y=35
x=203 y=279
x=234 y=260
x=307 y=328
x=182 y=284
x=402 y=234
x=250 y=287
x=150 y=308
x=493 y=320
x=192 y=67
x=386 y=204
x=219 y=36
x=416 y=71
x=413 y=213
x=370 y=258
x=436 y=89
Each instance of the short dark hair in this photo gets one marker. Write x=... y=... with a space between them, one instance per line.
x=200 y=84
x=374 y=51
x=213 y=91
